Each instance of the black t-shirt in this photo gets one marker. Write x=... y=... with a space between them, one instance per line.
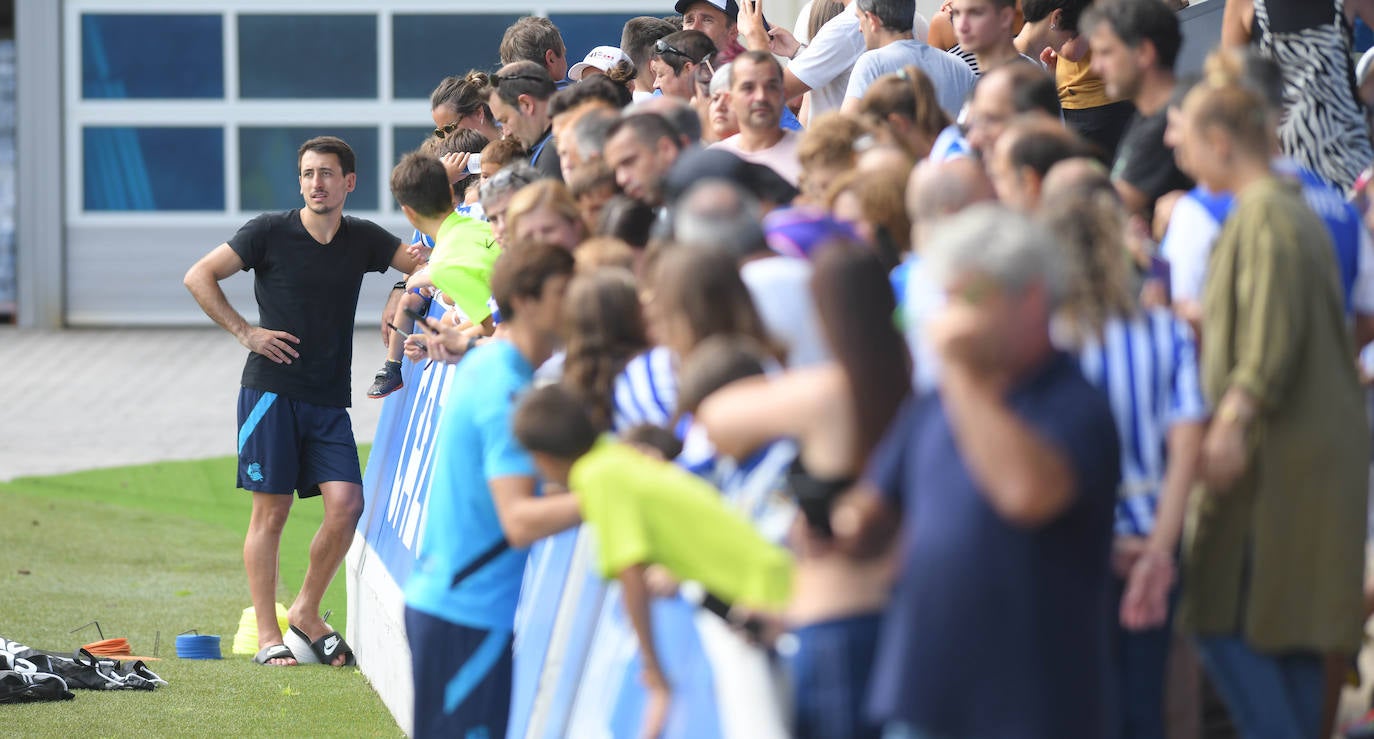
x=309 y=290
x=1144 y=162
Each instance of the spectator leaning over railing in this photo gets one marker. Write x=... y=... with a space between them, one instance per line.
x=519 y=99
x=484 y=511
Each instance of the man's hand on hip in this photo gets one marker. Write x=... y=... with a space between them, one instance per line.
x=275 y=345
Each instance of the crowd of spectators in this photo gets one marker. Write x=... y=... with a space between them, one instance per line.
x=992 y=368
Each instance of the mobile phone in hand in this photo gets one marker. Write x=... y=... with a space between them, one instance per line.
x=419 y=320
x=766 y=25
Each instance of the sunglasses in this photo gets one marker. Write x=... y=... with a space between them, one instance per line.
x=446 y=130
x=662 y=47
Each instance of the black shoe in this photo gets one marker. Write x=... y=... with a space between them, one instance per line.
x=387 y=381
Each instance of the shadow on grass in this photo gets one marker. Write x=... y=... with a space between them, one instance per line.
x=156 y=550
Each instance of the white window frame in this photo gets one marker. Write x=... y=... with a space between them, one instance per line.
x=384 y=113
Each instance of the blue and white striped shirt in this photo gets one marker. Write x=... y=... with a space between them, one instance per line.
x=645 y=391
x=1147 y=366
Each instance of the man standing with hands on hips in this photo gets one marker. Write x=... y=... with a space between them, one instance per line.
x=295 y=435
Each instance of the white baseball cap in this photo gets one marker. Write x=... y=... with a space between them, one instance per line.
x=602 y=57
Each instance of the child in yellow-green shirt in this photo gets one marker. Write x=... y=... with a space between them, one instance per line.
x=643 y=511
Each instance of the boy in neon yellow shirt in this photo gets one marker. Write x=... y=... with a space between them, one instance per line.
x=459 y=265
x=644 y=511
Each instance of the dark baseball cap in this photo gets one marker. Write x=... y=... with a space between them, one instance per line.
x=729 y=7
x=693 y=166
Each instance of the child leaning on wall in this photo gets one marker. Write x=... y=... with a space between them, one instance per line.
x=644 y=511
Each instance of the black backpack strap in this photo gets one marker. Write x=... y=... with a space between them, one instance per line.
x=492 y=552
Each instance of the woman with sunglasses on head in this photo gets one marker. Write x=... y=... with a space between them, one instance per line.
x=836 y=412
x=461 y=103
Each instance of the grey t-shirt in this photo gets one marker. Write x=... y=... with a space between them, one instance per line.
x=949 y=74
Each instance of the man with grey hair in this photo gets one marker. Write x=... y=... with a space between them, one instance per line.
x=720 y=214
x=496 y=192
x=1005 y=486
x=583 y=140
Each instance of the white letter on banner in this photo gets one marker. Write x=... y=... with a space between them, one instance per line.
x=408 y=488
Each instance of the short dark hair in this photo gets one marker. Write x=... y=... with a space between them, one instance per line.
x=1032 y=88
x=695 y=45
x=551 y=420
x=330 y=145
x=627 y=219
x=1138 y=21
x=716 y=362
x=1038 y=10
x=647 y=129
x=529 y=38
x=1040 y=146
x=657 y=438
x=462 y=140
x=895 y=15
x=522 y=272
x=755 y=56
x=522 y=78
x=596 y=87
x=638 y=37
x=420 y=182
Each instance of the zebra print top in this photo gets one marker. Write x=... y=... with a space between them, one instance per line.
x=1323 y=125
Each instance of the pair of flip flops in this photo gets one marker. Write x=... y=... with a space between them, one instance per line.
x=297 y=646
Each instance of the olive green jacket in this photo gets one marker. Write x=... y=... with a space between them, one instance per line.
x=1278 y=558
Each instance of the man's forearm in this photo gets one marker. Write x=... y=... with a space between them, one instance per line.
x=210 y=296
x=538 y=517
x=1026 y=480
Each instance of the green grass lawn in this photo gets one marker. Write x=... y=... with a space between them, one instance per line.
x=156 y=550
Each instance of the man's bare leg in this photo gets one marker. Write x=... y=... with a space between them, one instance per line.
x=343 y=507
x=260 y=560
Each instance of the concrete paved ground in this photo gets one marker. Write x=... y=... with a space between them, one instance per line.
x=87 y=398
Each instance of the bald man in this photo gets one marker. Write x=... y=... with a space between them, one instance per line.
x=935 y=190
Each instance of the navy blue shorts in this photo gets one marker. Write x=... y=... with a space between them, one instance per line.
x=462 y=678
x=287 y=445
